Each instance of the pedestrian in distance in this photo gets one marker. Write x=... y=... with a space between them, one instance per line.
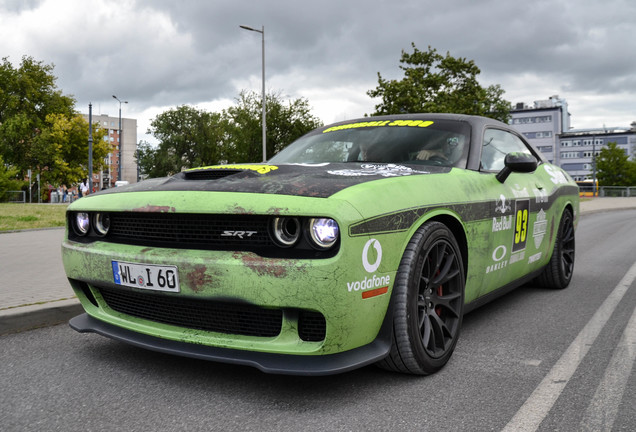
x=83 y=189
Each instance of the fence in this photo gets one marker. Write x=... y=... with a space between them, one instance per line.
x=13 y=196
x=617 y=191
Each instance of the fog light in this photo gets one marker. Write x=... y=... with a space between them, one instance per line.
x=102 y=223
x=323 y=232
x=82 y=223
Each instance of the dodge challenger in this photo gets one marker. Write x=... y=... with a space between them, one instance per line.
x=363 y=242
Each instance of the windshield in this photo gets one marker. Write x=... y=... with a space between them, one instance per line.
x=421 y=142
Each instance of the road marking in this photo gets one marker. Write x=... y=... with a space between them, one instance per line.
x=540 y=402
x=601 y=413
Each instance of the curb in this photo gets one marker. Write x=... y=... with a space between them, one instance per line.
x=603 y=210
x=30 y=317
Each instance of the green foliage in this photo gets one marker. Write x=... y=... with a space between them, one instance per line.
x=9 y=180
x=28 y=94
x=614 y=167
x=285 y=123
x=189 y=137
x=62 y=149
x=441 y=84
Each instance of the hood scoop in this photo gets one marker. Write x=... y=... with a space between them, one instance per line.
x=209 y=174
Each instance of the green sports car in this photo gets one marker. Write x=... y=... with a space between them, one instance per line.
x=361 y=242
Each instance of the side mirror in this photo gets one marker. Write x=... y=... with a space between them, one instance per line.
x=517 y=162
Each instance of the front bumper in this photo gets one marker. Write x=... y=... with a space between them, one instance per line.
x=353 y=322
x=266 y=362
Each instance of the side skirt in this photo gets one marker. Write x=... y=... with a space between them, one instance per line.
x=469 y=307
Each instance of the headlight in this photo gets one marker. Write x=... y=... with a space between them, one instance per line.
x=102 y=223
x=285 y=231
x=323 y=232
x=82 y=223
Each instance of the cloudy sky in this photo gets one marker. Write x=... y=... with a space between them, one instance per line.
x=159 y=54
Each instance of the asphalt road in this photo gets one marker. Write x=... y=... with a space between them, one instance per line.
x=535 y=359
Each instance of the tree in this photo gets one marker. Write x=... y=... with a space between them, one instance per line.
x=285 y=123
x=442 y=84
x=28 y=95
x=147 y=159
x=9 y=180
x=62 y=149
x=189 y=137
x=613 y=167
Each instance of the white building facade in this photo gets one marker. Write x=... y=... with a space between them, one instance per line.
x=546 y=125
x=542 y=123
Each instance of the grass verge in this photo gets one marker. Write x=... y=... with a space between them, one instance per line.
x=31 y=216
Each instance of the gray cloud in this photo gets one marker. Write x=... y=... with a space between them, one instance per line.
x=159 y=54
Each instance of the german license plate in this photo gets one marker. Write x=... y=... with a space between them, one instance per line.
x=146 y=276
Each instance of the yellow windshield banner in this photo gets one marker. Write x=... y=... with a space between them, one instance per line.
x=261 y=169
x=409 y=123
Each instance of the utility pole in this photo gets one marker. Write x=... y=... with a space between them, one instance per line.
x=121 y=139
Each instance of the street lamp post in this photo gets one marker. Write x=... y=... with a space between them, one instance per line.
x=595 y=191
x=121 y=140
x=90 y=147
x=262 y=32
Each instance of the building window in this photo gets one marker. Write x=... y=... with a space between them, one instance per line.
x=569 y=155
x=598 y=141
x=576 y=143
x=587 y=142
x=566 y=143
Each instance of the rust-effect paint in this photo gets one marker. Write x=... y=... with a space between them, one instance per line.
x=198 y=279
x=155 y=209
x=239 y=210
x=278 y=268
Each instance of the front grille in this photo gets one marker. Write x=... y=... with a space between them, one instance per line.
x=196 y=231
x=222 y=317
x=311 y=326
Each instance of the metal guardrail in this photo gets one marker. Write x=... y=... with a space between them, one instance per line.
x=617 y=191
x=13 y=196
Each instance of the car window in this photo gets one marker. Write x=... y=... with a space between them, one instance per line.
x=417 y=142
x=496 y=145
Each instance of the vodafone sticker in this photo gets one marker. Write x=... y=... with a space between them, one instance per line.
x=371 y=267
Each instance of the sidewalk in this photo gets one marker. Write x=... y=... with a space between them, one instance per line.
x=35 y=292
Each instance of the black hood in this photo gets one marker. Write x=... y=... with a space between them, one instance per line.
x=319 y=181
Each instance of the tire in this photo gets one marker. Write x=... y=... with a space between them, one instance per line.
x=428 y=302
x=558 y=273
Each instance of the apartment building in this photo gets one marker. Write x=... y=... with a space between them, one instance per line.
x=546 y=125
x=109 y=175
x=577 y=148
x=542 y=123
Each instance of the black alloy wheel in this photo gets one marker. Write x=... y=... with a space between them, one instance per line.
x=558 y=273
x=428 y=302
